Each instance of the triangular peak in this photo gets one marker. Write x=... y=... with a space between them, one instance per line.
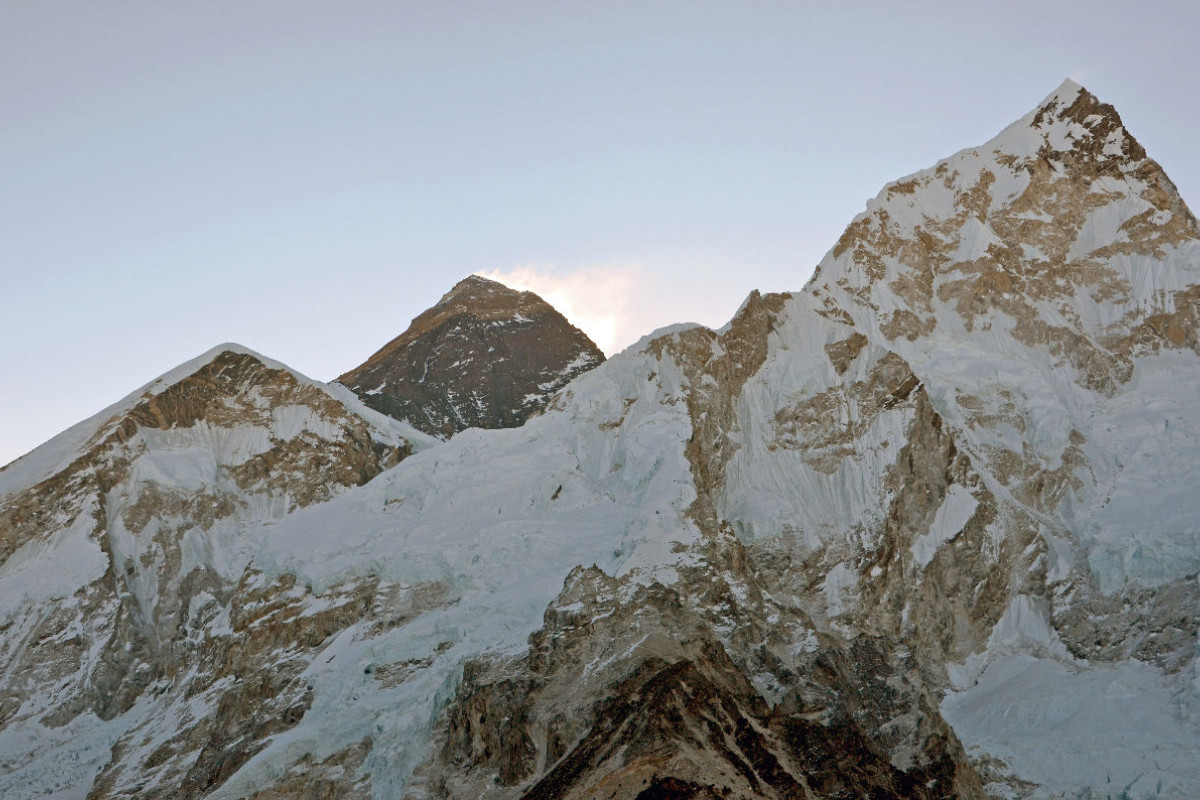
x=485 y=355
x=1066 y=92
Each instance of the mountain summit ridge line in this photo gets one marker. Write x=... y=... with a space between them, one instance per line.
x=926 y=528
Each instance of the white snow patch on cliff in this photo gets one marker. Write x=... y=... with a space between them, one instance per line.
x=1071 y=728
x=42 y=570
x=956 y=511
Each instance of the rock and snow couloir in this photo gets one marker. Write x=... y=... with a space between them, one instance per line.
x=926 y=528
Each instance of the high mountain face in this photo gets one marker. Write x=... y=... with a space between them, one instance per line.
x=926 y=528
x=117 y=538
x=485 y=356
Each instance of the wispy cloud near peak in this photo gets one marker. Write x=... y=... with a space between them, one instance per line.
x=596 y=299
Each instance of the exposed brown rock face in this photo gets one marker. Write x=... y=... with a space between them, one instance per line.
x=224 y=658
x=485 y=356
x=643 y=697
x=810 y=532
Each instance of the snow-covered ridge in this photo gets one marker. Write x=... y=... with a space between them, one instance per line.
x=965 y=454
x=59 y=452
x=1043 y=288
x=1037 y=284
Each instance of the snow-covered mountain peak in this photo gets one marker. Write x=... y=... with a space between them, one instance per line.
x=190 y=366
x=1068 y=88
x=1034 y=284
x=1083 y=115
x=475 y=286
x=229 y=377
x=62 y=449
x=121 y=528
x=229 y=435
x=926 y=528
x=1058 y=223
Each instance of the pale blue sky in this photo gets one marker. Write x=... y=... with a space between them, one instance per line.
x=304 y=178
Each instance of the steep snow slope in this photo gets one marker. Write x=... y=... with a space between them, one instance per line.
x=1044 y=291
x=112 y=535
x=1045 y=298
x=58 y=453
x=490 y=523
x=458 y=553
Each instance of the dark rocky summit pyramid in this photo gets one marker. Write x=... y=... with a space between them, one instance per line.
x=486 y=356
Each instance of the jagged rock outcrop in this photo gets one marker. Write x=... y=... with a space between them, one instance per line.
x=709 y=687
x=485 y=356
x=926 y=528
